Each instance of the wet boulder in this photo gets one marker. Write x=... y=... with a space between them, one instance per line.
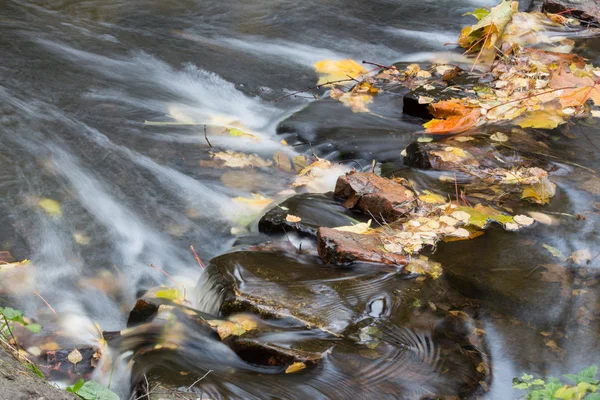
x=378 y=197
x=331 y=127
x=342 y=248
x=285 y=287
x=314 y=211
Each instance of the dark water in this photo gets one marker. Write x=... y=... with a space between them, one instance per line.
x=78 y=79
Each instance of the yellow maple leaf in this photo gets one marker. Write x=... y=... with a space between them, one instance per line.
x=541 y=119
x=335 y=70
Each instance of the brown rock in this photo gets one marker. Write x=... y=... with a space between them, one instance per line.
x=339 y=247
x=143 y=311
x=584 y=10
x=17 y=382
x=372 y=194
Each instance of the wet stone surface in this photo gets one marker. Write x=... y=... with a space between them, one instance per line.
x=314 y=210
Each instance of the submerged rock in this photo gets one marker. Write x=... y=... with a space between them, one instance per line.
x=281 y=286
x=314 y=211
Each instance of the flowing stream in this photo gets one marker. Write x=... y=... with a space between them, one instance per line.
x=78 y=80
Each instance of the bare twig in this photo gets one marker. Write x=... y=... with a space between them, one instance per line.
x=314 y=87
x=534 y=95
x=172 y=280
x=206 y=137
x=202 y=265
x=44 y=300
x=378 y=65
x=204 y=376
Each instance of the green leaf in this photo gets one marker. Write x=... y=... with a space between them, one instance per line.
x=34 y=368
x=538 y=382
x=12 y=315
x=478 y=13
x=92 y=390
x=592 y=396
x=35 y=328
x=521 y=386
x=75 y=387
x=587 y=375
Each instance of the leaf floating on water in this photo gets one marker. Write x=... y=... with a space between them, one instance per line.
x=240 y=160
x=81 y=238
x=74 y=357
x=51 y=207
x=423 y=266
x=257 y=200
x=292 y=218
x=295 y=367
x=335 y=70
x=452 y=116
x=541 y=120
x=172 y=294
x=247 y=321
x=499 y=137
x=581 y=257
x=523 y=220
x=554 y=251
x=358 y=98
x=540 y=192
x=234 y=132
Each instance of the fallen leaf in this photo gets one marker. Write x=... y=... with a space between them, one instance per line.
x=540 y=119
x=295 y=367
x=74 y=357
x=335 y=70
x=541 y=192
x=361 y=228
x=240 y=160
x=499 y=137
x=581 y=257
x=484 y=35
x=431 y=198
x=554 y=251
x=51 y=207
x=523 y=220
x=451 y=116
x=292 y=218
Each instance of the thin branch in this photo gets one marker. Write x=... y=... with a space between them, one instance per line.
x=44 y=300
x=534 y=95
x=313 y=87
x=197 y=257
x=378 y=65
x=206 y=137
x=204 y=376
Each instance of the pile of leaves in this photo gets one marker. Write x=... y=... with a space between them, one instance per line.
x=539 y=87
